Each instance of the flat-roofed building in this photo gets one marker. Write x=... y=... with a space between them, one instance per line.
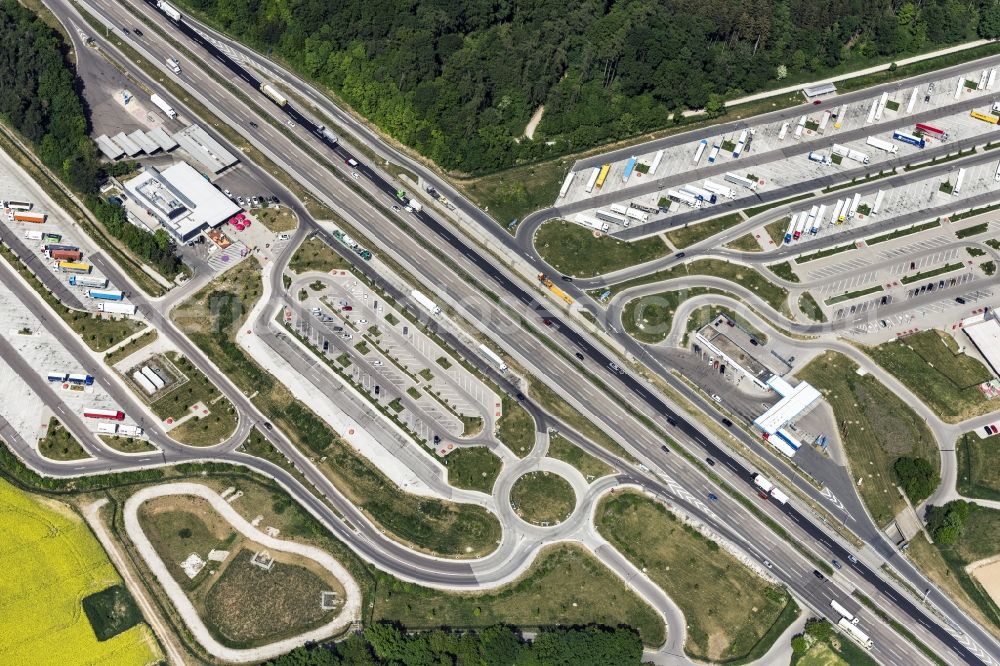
x=819 y=90
x=109 y=148
x=179 y=199
x=203 y=148
x=985 y=335
x=130 y=147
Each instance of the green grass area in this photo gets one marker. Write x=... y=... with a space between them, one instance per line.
x=565 y=450
x=565 y=586
x=940 y=270
x=979 y=539
x=708 y=314
x=930 y=364
x=127 y=444
x=473 y=468
x=784 y=271
x=876 y=427
x=820 y=645
x=749 y=278
x=315 y=255
x=978 y=471
x=210 y=319
x=362 y=348
x=130 y=347
x=853 y=294
x=776 y=230
x=649 y=318
x=60 y=444
x=511 y=194
x=191 y=387
x=746 y=613
x=276 y=219
x=426 y=374
x=757 y=210
x=444 y=362
x=516 y=428
x=830 y=251
x=396 y=405
x=899 y=233
x=541 y=498
x=941 y=160
x=693 y=233
x=111 y=612
x=810 y=308
x=344 y=360
x=745 y=243
x=976 y=211
x=975 y=252
x=574 y=250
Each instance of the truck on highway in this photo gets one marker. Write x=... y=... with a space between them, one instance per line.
x=106 y=294
x=273 y=94
x=324 y=133
x=425 y=302
x=714 y=153
x=762 y=483
x=878 y=202
x=909 y=138
x=700 y=150
x=80 y=379
x=592 y=180
x=881 y=144
x=844 y=613
x=163 y=106
x=117 y=308
x=656 y=162
x=109 y=414
x=129 y=431
x=168 y=10
x=566 y=183
x=742 y=181
x=87 y=281
x=779 y=497
x=791 y=228
x=816 y=156
x=493 y=357
x=856 y=634
x=551 y=286
x=721 y=190
x=34 y=218
x=107 y=428
x=174 y=65
x=621 y=209
x=700 y=193
x=629 y=168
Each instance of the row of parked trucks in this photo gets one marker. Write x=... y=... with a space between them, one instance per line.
x=812 y=221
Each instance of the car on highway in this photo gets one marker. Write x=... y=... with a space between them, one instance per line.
x=355 y=176
x=837 y=564
x=362 y=321
x=346 y=336
x=713 y=497
x=671 y=420
x=761 y=494
x=767 y=563
x=727 y=423
x=817 y=102
x=267 y=424
x=350 y=161
x=126 y=30
x=679 y=255
x=851 y=558
x=377 y=364
x=566 y=278
x=819 y=574
x=347 y=308
x=579 y=356
x=710 y=461
x=291 y=124
x=716 y=397
x=395 y=209
x=254 y=125
x=547 y=322
x=137 y=31
x=520 y=397
x=283 y=236
x=663 y=447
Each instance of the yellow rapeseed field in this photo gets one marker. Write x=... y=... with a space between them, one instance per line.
x=50 y=561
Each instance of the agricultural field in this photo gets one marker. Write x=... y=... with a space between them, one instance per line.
x=747 y=613
x=51 y=563
x=876 y=427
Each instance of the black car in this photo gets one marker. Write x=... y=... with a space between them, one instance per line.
x=137 y=31
x=579 y=356
x=663 y=447
x=326 y=345
x=671 y=420
x=727 y=423
x=378 y=389
x=566 y=278
x=267 y=424
x=437 y=439
x=819 y=574
x=254 y=125
x=679 y=255
x=960 y=300
x=710 y=462
x=520 y=397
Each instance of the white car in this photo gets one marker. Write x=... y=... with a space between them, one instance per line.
x=354 y=175
x=377 y=364
x=228 y=193
x=283 y=236
x=715 y=397
x=362 y=321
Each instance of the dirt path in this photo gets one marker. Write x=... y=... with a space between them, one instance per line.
x=536 y=118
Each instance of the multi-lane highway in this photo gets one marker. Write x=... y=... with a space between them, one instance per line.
x=461 y=251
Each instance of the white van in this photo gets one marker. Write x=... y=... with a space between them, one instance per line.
x=173 y=64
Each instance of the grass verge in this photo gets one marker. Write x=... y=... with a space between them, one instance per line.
x=131 y=347
x=573 y=250
x=694 y=233
x=60 y=444
x=542 y=498
x=315 y=255
x=811 y=308
x=473 y=468
x=978 y=473
x=561 y=448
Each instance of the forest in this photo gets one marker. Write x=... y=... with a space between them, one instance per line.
x=458 y=80
x=384 y=644
x=42 y=101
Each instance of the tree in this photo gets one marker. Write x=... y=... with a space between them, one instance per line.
x=989 y=21
x=917 y=476
x=945 y=522
x=780 y=72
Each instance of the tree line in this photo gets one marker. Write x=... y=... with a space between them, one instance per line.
x=42 y=101
x=458 y=80
x=384 y=644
